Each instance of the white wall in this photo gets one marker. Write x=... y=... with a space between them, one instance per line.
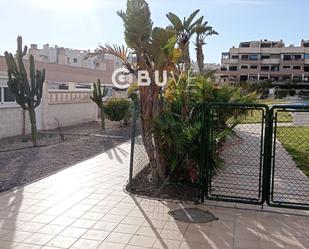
x=69 y=114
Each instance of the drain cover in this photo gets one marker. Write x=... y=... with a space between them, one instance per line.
x=192 y=215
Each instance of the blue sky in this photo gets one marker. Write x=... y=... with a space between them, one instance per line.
x=83 y=24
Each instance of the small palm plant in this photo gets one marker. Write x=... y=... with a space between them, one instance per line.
x=98 y=95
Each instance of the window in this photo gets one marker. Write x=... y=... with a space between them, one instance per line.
x=265 y=45
x=253 y=57
x=264 y=68
x=225 y=56
x=232 y=68
x=297 y=67
x=306 y=68
x=245 y=45
x=244 y=66
x=253 y=67
x=274 y=68
x=109 y=92
x=75 y=60
x=6 y=96
x=244 y=57
x=265 y=56
x=306 y=56
x=286 y=67
x=235 y=56
x=306 y=44
x=287 y=57
x=297 y=56
x=223 y=69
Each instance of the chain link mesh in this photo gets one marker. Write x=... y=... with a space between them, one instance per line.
x=240 y=174
x=290 y=165
x=139 y=157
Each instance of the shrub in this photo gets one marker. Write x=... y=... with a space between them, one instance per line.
x=117 y=110
x=280 y=94
x=292 y=92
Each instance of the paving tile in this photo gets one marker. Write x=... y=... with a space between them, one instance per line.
x=86 y=243
x=16 y=236
x=26 y=246
x=74 y=232
x=96 y=234
x=7 y=244
x=83 y=223
x=121 y=238
x=166 y=243
x=38 y=239
x=146 y=241
x=62 y=241
x=105 y=226
x=109 y=245
x=30 y=227
x=63 y=221
x=126 y=228
x=51 y=229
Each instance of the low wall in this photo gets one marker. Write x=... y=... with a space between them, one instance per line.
x=69 y=107
x=11 y=121
x=69 y=114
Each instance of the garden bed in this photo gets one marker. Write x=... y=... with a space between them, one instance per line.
x=143 y=185
x=20 y=163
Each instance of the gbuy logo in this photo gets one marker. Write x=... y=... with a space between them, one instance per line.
x=122 y=78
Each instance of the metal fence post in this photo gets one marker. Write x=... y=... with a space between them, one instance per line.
x=267 y=156
x=134 y=114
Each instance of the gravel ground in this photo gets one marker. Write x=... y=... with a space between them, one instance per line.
x=20 y=163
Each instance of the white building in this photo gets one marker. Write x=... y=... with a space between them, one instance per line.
x=71 y=57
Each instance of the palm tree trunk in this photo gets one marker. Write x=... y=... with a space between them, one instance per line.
x=199 y=54
x=150 y=109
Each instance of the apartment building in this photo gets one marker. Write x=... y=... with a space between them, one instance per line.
x=71 y=57
x=266 y=60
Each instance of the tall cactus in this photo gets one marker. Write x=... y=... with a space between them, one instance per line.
x=28 y=94
x=98 y=95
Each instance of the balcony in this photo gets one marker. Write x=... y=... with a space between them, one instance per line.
x=230 y=61
x=270 y=61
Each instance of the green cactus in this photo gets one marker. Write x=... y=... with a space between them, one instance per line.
x=28 y=94
x=98 y=95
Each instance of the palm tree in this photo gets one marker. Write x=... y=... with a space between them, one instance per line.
x=184 y=31
x=154 y=49
x=202 y=31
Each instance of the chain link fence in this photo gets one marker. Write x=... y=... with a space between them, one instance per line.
x=138 y=158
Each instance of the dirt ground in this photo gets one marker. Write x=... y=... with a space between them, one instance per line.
x=144 y=186
x=20 y=163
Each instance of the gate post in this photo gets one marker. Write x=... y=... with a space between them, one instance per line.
x=267 y=156
x=204 y=157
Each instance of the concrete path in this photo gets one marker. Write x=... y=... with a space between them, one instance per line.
x=84 y=207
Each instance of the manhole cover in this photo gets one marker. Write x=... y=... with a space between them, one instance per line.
x=192 y=215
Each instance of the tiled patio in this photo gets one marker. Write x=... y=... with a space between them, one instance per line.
x=84 y=207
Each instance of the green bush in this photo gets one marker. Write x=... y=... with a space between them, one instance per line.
x=280 y=94
x=118 y=109
x=292 y=92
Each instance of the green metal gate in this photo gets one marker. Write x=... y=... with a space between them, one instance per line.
x=289 y=159
x=243 y=159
